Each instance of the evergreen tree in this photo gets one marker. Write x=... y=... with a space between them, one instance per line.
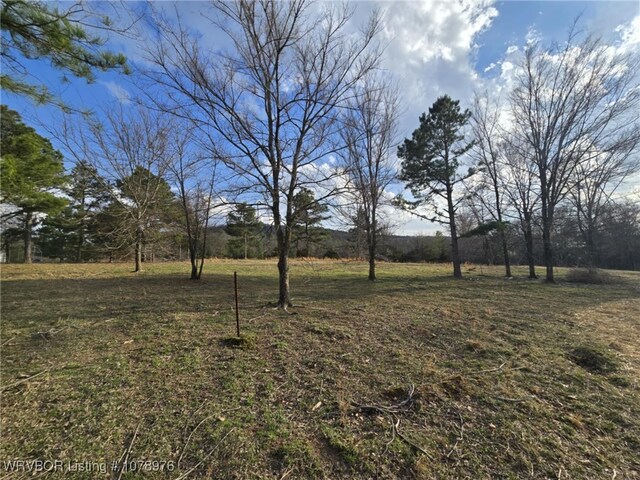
x=431 y=160
x=146 y=206
x=31 y=172
x=35 y=30
x=308 y=214
x=245 y=229
x=70 y=234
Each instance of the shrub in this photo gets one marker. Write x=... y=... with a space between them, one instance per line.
x=590 y=276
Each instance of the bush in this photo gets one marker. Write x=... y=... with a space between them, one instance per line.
x=592 y=276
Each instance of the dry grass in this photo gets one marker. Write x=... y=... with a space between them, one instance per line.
x=498 y=391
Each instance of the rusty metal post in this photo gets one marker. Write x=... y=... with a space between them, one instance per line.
x=235 y=286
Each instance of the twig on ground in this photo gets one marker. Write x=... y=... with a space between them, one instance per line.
x=286 y=474
x=124 y=462
x=257 y=317
x=6 y=341
x=488 y=370
x=184 y=449
x=391 y=411
x=7 y=387
x=184 y=475
x=514 y=400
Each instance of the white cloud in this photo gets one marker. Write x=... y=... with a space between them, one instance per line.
x=490 y=67
x=431 y=50
x=117 y=91
x=629 y=35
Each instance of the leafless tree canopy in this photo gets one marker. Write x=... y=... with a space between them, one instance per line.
x=369 y=134
x=272 y=101
x=488 y=152
x=193 y=175
x=569 y=102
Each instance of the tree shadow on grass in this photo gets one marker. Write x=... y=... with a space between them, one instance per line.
x=33 y=303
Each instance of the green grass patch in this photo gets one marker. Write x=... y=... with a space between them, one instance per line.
x=511 y=378
x=594 y=358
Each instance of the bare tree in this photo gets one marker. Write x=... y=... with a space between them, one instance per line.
x=487 y=152
x=193 y=175
x=370 y=128
x=519 y=184
x=132 y=150
x=570 y=100
x=272 y=103
x=594 y=183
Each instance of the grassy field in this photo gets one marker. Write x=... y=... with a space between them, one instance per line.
x=415 y=376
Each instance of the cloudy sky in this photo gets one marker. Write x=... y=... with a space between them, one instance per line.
x=433 y=47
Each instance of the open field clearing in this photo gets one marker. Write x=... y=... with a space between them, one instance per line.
x=415 y=376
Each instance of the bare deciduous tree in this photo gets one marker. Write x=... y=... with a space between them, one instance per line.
x=519 y=183
x=595 y=181
x=488 y=152
x=272 y=103
x=193 y=175
x=570 y=100
x=132 y=150
x=370 y=128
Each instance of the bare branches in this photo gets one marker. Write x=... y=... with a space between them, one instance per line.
x=569 y=104
x=392 y=411
x=271 y=103
x=369 y=134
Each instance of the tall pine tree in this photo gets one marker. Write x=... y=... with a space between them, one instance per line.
x=308 y=214
x=31 y=173
x=71 y=234
x=245 y=229
x=431 y=163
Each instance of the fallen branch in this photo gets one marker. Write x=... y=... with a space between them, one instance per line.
x=49 y=333
x=184 y=475
x=257 y=317
x=488 y=370
x=24 y=380
x=514 y=400
x=6 y=341
x=123 y=464
x=391 y=411
x=184 y=449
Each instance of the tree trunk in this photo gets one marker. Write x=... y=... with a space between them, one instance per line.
x=547 y=248
x=80 y=244
x=528 y=240
x=455 y=252
x=372 y=257
x=28 y=227
x=505 y=254
x=503 y=236
x=592 y=253
x=7 y=250
x=194 y=271
x=138 y=251
x=284 y=243
x=193 y=258
x=547 y=222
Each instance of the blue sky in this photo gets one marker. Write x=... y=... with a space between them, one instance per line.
x=452 y=47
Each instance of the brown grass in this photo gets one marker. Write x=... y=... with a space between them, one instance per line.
x=498 y=391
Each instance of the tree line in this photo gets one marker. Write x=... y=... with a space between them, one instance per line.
x=297 y=118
